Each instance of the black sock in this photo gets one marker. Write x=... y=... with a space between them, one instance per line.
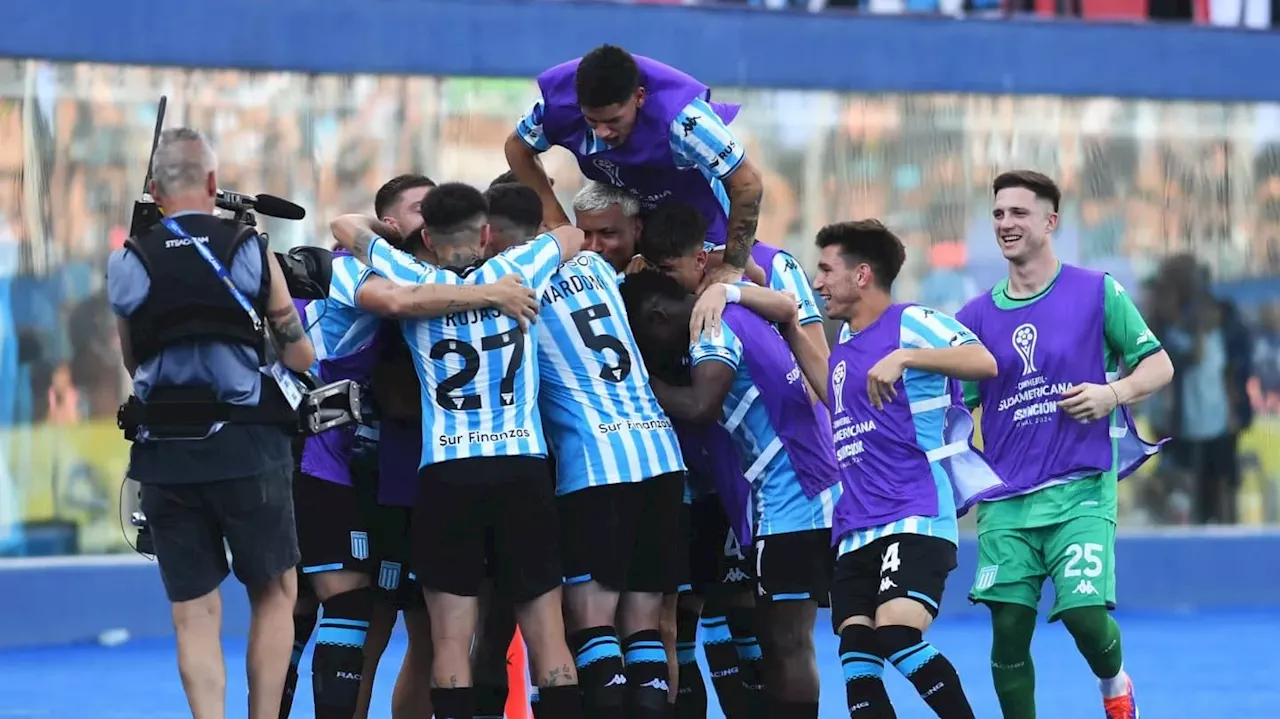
x=457 y=703
x=338 y=659
x=691 y=695
x=645 y=659
x=781 y=709
x=722 y=660
x=742 y=625
x=303 y=625
x=864 y=674
x=601 y=675
x=491 y=702
x=562 y=702
x=927 y=670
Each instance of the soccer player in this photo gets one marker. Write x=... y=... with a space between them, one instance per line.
x=669 y=249
x=902 y=441
x=722 y=576
x=746 y=379
x=619 y=476
x=337 y=558
x=636 y=123
x=609 y=217
x=483 y=475
x=1055 y=424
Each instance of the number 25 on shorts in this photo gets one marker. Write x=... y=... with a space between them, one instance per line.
x=1088 y=554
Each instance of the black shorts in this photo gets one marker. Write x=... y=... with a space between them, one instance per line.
x=899 y=565
x=795 y=566
x=189 y=522
x=390 y=532
x=465 y=503
x=684 y=579
x=332 y=532
x=716 y=559
x=623 y=536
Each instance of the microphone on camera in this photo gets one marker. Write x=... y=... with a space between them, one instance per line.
x=268 y=205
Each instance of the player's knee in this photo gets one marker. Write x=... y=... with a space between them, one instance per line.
x=904 y=647
x=787 y=630
x=1087 y=625
x=1011 y=627
x=905 y=611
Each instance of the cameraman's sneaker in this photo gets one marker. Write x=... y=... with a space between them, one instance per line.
x=1123 y=706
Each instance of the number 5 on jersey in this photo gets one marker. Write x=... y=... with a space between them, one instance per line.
x=456 y=382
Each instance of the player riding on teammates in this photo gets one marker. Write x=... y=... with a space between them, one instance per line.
x=636 y=123
x=1056 y=425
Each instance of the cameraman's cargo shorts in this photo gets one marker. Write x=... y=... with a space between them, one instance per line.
x=189 y=524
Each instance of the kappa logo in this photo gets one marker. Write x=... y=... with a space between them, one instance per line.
x=986 y=577
x=689 y=125
x=734 y=575
x=656 y=683
x=1085 y=587
x=790 y=265
x=1024 y=343
x=359 y=545
x=618 y=680
x=886 y=584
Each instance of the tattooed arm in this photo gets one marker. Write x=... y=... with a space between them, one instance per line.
x=746 y=189
x=508 y=295
x=357 y=232
x=292 y=344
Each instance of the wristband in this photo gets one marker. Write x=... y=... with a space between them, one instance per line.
x=732 y=293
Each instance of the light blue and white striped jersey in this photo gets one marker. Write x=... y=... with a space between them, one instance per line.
x=710 y=148
x=600 y=416
x=779 y=504
x=846 y=333
x=787 y=275
x=478 y=371
x=922 y=328
x=336 y=325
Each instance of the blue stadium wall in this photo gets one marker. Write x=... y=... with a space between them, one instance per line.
x=74 y=599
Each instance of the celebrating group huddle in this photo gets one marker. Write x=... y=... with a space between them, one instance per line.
x=633 y=425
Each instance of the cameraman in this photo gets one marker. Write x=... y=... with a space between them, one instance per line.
x=210 y=426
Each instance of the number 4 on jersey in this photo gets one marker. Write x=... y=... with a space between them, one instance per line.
x=889 y=561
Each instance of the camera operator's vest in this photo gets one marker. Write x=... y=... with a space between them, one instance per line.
x=189 y=302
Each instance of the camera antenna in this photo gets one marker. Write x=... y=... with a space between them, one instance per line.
x=155 y=141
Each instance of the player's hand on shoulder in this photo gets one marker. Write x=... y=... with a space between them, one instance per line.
x=510 y=296
x=637 y=264
x=707 y=312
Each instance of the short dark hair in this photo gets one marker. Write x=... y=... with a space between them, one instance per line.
x=451 y=207
x=509 y=177
x=647 y=285
x=870 y=242
x=1040 y=184
x=515 y=203
x=672 y=230
x=389 y=193
x=606 y=76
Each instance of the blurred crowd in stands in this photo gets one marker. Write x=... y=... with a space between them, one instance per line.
x=1253 y=14
x=1179 y=201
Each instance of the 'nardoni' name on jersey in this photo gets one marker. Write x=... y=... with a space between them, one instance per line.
x=478 y=371
x=602 y=419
